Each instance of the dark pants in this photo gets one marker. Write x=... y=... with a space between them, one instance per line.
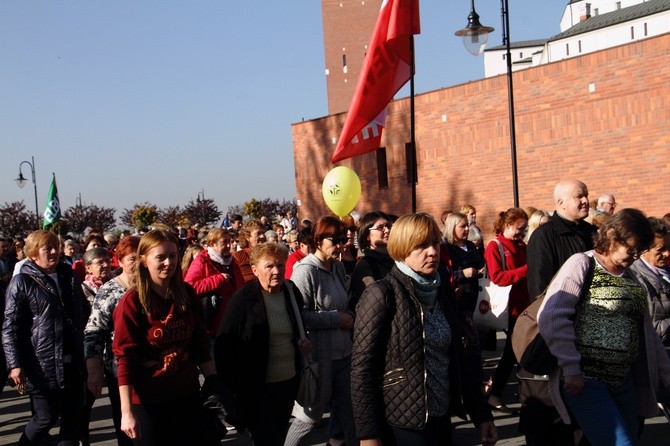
x=438 y=432
x=66 y=404
x=506 y=364
x=276 y=408
x=178 y=422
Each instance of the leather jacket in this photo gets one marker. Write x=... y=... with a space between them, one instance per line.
x=43 y=327
x=388 y=377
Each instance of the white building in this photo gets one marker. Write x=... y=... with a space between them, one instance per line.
x=586 y=26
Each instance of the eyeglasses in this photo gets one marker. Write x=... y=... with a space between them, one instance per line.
x=634 y=252
x=380 y=228
x=337 y=240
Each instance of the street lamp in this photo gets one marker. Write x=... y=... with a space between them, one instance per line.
x=21 y=181
x=475 y=37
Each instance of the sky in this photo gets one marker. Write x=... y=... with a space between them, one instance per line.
x=130 y=101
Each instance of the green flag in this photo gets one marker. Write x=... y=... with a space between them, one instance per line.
x=52 y=211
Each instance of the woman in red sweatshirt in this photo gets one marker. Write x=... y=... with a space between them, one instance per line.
x=161 y=347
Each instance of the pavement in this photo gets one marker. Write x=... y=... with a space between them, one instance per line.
x=15 y=412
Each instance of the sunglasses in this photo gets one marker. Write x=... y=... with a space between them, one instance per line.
x=381 y=228
x=337 y=240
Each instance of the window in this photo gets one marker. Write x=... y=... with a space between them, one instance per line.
x=520 y=54
x=382 y=174
x=410 y=158
x=504 y=55
x=645 y=30
x=579 y=46
x=632 y=33
x=567 y=49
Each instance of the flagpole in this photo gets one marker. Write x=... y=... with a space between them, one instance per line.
x=413 y=169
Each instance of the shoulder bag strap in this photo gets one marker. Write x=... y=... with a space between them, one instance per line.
x=501 y=250
x=296 y=310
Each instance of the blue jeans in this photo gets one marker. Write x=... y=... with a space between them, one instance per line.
x=606 y=414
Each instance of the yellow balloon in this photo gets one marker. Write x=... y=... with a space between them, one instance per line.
x=341 y=190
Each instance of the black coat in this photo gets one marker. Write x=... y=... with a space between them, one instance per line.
x=551 y=245
x=241 y=349
x=42 y=324
x=388 y=373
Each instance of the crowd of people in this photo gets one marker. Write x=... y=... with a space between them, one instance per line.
x=193 y=330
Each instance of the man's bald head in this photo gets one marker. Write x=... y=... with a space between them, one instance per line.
x=606 y=204
x=571 y=198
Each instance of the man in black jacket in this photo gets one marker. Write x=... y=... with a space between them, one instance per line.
x=566 y=233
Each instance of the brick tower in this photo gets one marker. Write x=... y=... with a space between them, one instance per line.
x=347 y=27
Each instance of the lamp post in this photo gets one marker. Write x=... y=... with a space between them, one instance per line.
x=21 y=181
x=475 y=37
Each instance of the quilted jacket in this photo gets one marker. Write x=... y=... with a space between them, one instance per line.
x=388 y=377
x=36 y=331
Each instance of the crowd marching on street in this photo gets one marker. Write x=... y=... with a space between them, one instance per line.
x=266 y=325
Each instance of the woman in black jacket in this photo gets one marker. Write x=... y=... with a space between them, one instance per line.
x=258 y=352
x=408 y=367
x=42 y=336
x=373 y=237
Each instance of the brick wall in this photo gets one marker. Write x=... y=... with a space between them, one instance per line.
x=603 y=118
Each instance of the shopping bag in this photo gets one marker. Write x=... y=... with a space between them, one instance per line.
x=491 y=310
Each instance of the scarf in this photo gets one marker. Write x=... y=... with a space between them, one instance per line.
x=425 y=288
x=218 y=258
x=93 y=283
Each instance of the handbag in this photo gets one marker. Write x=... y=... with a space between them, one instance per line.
x=529 y=346
x=307 y=388
x=492 y=301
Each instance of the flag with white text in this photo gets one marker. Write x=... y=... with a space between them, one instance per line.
x=386 y=68
x=52 y=212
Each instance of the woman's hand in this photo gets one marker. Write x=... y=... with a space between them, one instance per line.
x=371 y=442
x=305 y=347
x=573 y=384
x=489 y=433
x=19 y=379
x=129 y=425
x=469 y=273
x=346 y=320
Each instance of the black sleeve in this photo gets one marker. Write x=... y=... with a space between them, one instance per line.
x=229 y=340
x=541 y=263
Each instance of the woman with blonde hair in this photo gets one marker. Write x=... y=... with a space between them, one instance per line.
x=215 y=276
x=535 y=220
x=161 y=347
x=42 y=339
x=410 y=369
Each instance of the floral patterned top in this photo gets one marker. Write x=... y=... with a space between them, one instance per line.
x=99 y=330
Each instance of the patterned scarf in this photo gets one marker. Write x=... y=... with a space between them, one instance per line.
x=94 y=283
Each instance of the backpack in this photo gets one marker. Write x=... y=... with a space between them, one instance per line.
x=529 y=346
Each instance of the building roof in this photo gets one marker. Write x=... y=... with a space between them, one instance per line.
x=519 y=44
x=614 y=18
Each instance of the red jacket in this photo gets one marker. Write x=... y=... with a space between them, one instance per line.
x=242 y=259
x=516 y=264
x=293 y=258
x=206 y=278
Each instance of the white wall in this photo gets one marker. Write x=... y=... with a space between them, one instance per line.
x=575 y=10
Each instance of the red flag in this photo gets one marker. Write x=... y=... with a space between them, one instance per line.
x=386 y=68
